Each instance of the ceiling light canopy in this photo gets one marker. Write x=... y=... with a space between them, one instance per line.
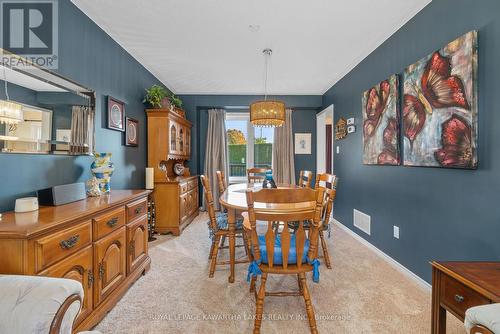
x=267 y=113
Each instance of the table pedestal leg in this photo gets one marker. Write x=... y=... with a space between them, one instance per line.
x=231 y=220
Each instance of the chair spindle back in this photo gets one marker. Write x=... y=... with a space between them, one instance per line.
x=305 y=179
x=256 y=175
x=221 y=180
x=209 y=200
x=294 y=197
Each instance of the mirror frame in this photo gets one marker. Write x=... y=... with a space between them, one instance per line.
x=53 y=78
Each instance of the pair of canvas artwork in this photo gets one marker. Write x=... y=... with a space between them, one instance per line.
x=439 y=119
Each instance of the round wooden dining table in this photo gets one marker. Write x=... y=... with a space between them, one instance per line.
x=235 y=201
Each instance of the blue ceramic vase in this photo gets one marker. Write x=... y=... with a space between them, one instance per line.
x=102 y=168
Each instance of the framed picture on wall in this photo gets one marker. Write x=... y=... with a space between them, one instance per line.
x=116 y=114
x=440 y=107
x=302 y=143
x=132 y=132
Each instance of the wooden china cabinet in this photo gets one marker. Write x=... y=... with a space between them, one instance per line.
x=169 y=143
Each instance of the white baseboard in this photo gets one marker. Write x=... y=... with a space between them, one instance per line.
x=386 y=257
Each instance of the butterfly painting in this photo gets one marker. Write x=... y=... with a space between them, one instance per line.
x=381 y=123
x=440 y=107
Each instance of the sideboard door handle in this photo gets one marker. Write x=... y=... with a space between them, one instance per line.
x=459 y=298
x=138 y=210
x=69 y=243
x=91 y=278
x=102 y=271
x=112 y=222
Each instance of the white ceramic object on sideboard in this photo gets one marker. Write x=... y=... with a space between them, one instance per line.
x=26 y=204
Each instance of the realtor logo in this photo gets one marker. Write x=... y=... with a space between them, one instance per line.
x=30 y=29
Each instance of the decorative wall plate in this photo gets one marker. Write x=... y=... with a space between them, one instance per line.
x=116 y=114
x=132 y=132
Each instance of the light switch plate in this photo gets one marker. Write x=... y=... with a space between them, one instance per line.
x=338 y=149
x=396 y=232
x=350 y=121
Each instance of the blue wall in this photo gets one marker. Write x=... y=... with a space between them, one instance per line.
x=89 y=56
x=443 y=214
x=303 y=119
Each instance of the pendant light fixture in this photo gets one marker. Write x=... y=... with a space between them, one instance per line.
x=10 y=112
x=267 y=113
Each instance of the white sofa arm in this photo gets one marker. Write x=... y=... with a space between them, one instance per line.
x=34 y=304
x=486 y=315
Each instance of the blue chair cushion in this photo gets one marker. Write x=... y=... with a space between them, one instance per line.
x=278 y=259
x=221 y=218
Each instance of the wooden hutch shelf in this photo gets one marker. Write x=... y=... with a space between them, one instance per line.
x=169 y=143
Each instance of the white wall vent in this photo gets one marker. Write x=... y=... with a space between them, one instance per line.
x=362 y=221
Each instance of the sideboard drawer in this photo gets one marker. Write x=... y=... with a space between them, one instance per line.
x=458 y=297
x=56 y=246
x=108 y=222
x=137 y=209
x=184 y=187
x=193 y=184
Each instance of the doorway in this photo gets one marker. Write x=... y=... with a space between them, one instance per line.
x=324 y=140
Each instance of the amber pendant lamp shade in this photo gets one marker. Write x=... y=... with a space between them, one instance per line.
x=267 y=113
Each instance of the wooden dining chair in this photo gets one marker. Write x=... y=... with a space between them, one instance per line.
x=285 y=253
x=219 y=229
x=221 y=180
x=328 y=182
x=305 y=179
x=256 y=175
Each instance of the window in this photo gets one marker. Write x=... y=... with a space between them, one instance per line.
x=248 y=146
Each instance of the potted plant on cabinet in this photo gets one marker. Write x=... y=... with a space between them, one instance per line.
x=175 y=101
x=157 y=97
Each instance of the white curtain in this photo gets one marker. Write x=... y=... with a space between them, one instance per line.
x=283 y=155
x=216 y=154
x=82 y=130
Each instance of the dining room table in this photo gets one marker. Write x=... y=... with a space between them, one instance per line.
x=234 y=200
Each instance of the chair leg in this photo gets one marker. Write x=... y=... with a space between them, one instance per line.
x=244 y=235
x=260 y=304
x=325 y=250
x=211 y=249
x=214 y=256
x=301 y=290
x=309 y=307
x=252 y=283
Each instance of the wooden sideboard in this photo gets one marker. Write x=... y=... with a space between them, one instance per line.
x=100 y=242
x=169 y=143
x=457 y=286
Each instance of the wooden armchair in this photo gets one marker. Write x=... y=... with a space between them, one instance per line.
x=305 y=179
x=256 y=175
x=480 y=330
x=483 y=319
x=218 y=228
x=283 y=253
x=327 y=182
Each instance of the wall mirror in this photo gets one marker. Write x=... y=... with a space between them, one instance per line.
x=42 y=112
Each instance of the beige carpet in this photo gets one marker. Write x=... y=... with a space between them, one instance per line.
x=362 y=294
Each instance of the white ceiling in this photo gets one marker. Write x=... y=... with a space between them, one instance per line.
x=206 y=47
